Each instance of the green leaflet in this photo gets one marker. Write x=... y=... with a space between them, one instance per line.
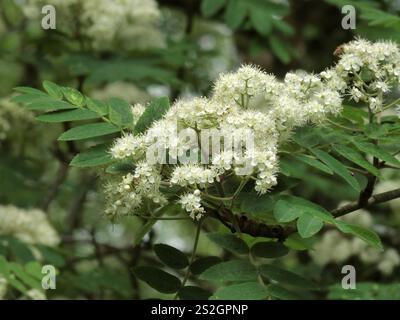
x=260 y=21
x=158 y=279
x=286 y=277
x=376 y=151
x=289 y=208
x=211 y=7
x=269 y=249
x=241 y=291
x=53 y=89
x=308 y=225
x=171 y=256
x=229 y=242
x=89 y=131
x=337 y=167
x=153 y=112
x=234 y=270
x=92 y=157
x=120 y=112
x=314 y=163
x=70 y=115
x=357 y=158
x=367 y=235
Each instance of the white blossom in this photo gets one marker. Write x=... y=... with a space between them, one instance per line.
x=28 y=225
x=191 y=202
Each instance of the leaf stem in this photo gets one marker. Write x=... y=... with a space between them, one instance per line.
x=193 y=256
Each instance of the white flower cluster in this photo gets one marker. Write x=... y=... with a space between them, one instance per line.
x=124 y=196
x=335 y=247
x=198 y=113
x=252 y=101
x=12 y=116
x=193 y=175
x=28 y=225
x=128 y=23
x=191 y=202
x=299 y=99
x=248 y=101
x=366 y=71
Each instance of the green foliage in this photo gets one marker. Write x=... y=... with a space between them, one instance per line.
x=314 y=163
x=337 y=167
x=376 y=151
x=87 y=131
x=357 y=158
x=171 y=256
x=308 y=225
x=120 y=112
x=21 y=277
x=269 y=250
x=158 y=279
x=368 y=236
x=320 y=166
x=286 y=277
x=366 y=291
x=234 y=270
x=67 y=116
x=264 y=16
x=193 y=293
x=289 y=208
x=153 y=112
x=241 y=291
x=201 y=264
x=229 y=242
x=92 y=157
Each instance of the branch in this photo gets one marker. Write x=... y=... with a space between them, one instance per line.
x=54 y=188
x=258 y=229
x=375 y=199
